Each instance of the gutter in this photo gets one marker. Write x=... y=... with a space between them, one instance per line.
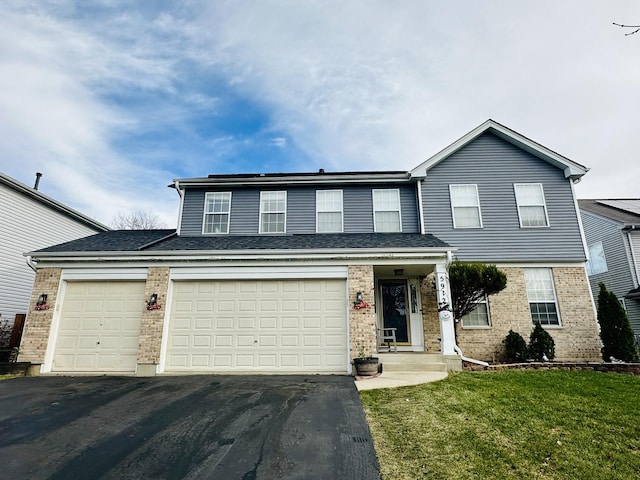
x=634 y=260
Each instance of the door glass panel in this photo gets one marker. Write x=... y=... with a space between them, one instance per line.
x=394 y=305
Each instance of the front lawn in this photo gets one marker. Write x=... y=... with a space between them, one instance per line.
x=510 y=424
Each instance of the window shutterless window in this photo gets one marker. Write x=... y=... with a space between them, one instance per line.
x=465 y=206
x=273 y=212
x=386 y=210
x=597 y=262
x=532 y=208
x=217 y=210
x=479 y=317
x=328 y=211
x=542 y=296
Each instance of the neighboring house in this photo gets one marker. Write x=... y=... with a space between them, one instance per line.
x=612 y=230
x=299 y=272
x=29 y=221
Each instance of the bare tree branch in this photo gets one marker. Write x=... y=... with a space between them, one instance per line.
x=637 y=28
x=137 y=220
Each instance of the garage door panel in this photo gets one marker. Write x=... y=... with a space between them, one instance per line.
x=293 y=326
x=99 y=327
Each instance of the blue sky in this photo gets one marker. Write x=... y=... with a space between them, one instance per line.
x=112 y=99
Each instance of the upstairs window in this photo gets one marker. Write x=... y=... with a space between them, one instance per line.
x=386 y=210
x=597 y=262
x=542 y=296
x=217 y=208
x=273 y=212
x=328 y=211
x=465 y=206
x=531 y=205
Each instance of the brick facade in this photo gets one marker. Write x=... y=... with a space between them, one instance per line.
x=576 y=339
x=152 y=320
x=362 y=322
x=38 y=322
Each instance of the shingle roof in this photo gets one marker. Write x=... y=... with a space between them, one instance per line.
x=598 y=207
x=167 y=241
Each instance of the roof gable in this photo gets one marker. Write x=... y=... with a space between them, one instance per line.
x=570 y=168
x=50 y=203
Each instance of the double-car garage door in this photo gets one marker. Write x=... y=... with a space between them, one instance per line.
x=251 y=325
x=224 y=326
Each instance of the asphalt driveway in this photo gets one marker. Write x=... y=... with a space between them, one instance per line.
x=188 y=427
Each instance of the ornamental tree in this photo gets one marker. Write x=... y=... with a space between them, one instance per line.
x=615 y=330
x=470 y=283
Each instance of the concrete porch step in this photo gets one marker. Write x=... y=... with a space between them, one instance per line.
x=412 y=362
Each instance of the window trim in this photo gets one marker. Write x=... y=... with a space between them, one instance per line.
x=399 y=210
x=544 y=205
x=479 y=327
x=555 y=296
x=341 y=211
x=284 y=212
x=453 y=213
x=205 y=213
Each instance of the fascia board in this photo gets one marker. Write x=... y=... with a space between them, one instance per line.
x=571 y=169
x=295 y=180
x=242 y=254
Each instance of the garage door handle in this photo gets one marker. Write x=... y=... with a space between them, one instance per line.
x=97 y=343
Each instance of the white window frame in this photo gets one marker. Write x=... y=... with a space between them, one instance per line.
x=206 y=213
x=520 y=204
x=319 y=210
x=454 y=203
x=386 y=209
x=263 y=211
x=590 y=263
x=552 y=290
x=484 y=302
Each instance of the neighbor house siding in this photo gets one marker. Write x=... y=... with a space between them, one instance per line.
x=27 y=225
x=494 y=165
x=619 y=277
x=301 y=209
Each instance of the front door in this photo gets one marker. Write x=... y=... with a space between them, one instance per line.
x=394 y=308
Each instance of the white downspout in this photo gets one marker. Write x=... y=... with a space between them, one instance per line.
x=181 y=195
x=32 y=264
x=420 y=209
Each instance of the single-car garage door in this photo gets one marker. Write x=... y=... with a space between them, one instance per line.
x=262 y=326
x=99 y=327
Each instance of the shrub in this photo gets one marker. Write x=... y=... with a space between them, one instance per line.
x=541 y=344
x=615 y=330
x=515 y=347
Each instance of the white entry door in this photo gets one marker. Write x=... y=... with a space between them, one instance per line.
x=269 y=326
x=99 y=327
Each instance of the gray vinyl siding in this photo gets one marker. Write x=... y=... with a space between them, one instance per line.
x=619 y=277
x=633 y=312
x=27 y=225
x=301 y=209
x=494 y=165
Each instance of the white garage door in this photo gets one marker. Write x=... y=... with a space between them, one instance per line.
x=262 y=326
x=99 y=327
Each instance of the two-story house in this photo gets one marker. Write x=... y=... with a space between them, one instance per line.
x=30 y=220
x=299 y=272
x=612 y=230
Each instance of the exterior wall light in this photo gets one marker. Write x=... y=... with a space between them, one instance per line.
x=41 y=303
x=153 y=304
x=360 y=303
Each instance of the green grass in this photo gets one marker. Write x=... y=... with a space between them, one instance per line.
x=509 y=425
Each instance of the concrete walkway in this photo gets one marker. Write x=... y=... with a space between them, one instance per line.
x=398 y=379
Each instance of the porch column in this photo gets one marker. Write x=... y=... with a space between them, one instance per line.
x=447 y=328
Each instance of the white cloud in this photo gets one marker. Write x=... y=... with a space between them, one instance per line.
x=352 y=85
